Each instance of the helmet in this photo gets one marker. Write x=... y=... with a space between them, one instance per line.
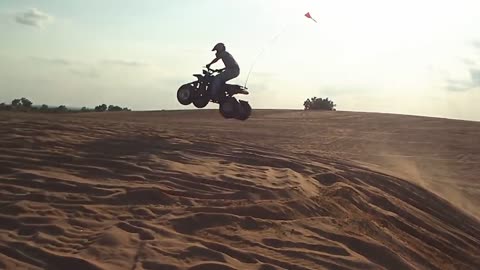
x=219 y=47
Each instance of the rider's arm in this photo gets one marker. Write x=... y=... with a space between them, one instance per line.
x=218 y=56
x=213 y=61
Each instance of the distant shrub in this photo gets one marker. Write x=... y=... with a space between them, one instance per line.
x=16 y=102
x=21 y=104
x=85 y=109
x=44 y=108
x=113 y=108
x=319 y=104
x=26 y=103
x=61 y=109
x=101 y=108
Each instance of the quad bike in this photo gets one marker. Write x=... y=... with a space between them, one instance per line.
x=197 y=92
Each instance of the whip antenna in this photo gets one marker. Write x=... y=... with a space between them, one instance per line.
x=271 y=41
x=262 y=51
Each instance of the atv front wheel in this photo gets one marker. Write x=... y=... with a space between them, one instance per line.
x=201 y=101
x=185 y=94
x=229 y=107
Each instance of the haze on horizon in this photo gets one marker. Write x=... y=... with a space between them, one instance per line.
x=406 y=57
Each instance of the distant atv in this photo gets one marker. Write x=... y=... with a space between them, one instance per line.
x=197 y=92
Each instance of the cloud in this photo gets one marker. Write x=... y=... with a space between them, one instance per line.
x=34 y=17
x=90 y=73
x=52 y=61
x=474 y=82
x=85 y=69
x=465 y=85
x=459 y=85
x=67 y=62
x=476 y=44
x=468 y=62
x=475 y=74
x=126 y=63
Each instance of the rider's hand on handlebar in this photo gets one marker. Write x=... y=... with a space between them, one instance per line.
x=214 y=70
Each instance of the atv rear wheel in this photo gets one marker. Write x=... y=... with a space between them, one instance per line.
x=244 y=112
x=229 y=107
x=185 y=94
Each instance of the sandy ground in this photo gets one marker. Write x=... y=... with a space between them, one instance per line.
x=283 y=190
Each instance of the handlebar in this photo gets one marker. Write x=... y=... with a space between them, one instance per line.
x=215 y=70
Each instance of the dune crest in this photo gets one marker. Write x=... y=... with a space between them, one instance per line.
x=134 y=192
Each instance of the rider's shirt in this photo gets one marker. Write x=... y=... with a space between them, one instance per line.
x=228 y=60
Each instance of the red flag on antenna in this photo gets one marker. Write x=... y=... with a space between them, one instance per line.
x=309 y=16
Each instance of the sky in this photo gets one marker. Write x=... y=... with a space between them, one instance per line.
x=408 y=57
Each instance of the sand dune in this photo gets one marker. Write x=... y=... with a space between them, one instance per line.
x=283 y=190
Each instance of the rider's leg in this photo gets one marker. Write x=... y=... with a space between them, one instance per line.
x=215 y=87
x=221 y=79
x=229 y=74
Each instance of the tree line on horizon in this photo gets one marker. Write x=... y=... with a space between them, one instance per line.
x=25 y=105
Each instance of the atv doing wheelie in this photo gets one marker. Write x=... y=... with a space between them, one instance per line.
x=197 y=92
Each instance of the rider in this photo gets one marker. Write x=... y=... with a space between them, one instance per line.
x=231 y=69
